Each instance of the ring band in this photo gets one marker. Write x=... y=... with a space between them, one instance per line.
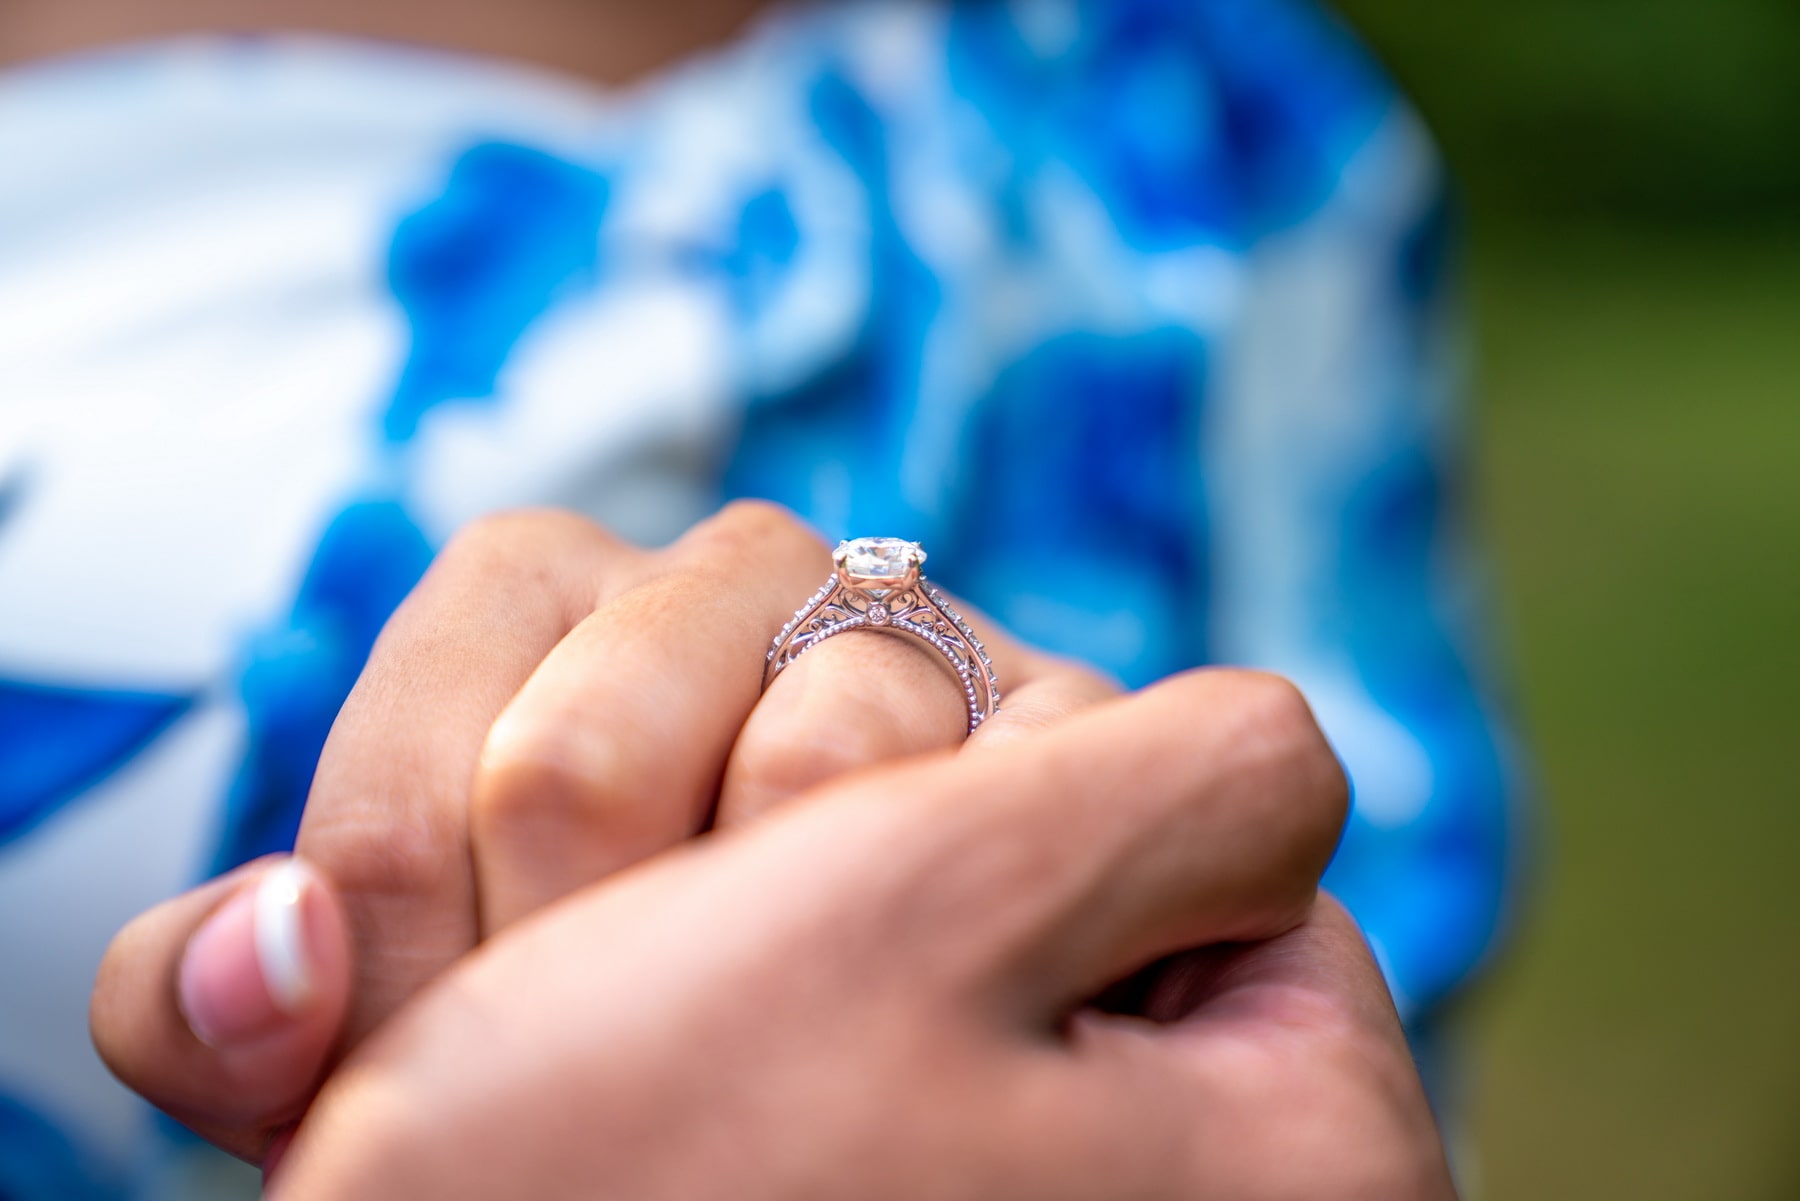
x=878 y=586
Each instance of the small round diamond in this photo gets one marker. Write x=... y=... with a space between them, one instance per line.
x=878 y=614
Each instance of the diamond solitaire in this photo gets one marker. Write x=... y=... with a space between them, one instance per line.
x=878 y=562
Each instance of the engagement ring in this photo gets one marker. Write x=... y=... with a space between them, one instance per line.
x=877 y=586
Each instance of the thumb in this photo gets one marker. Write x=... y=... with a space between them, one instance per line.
x=223 y=1005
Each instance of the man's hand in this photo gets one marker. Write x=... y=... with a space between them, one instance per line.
x=549 y=706
x=886 y=991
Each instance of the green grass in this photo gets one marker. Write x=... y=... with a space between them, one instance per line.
x=1640 y=473
x=1684 y=109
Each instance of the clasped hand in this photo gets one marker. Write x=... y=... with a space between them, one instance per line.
x=578 y=910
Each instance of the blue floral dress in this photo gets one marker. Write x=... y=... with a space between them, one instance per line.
x=1136 y=313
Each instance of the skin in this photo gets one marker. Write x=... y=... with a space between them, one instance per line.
x=896 y=934
x=549 y=707
x=1080 y=955
x=607 y=41
x=880 y=993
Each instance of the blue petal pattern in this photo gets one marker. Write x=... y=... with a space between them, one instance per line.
x=39 y=1161
x=513 y=229
x=1053 y=252
x=298 y=671
x=476 y=266
x=57 y=742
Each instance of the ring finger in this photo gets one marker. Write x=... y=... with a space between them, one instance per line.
x=851 y=702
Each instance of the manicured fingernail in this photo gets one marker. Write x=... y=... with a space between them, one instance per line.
x=281 y=948
x=248 y=969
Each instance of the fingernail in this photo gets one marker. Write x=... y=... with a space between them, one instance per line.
x=248 y=969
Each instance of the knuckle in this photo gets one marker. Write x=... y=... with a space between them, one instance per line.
x=1278 y=761
x=1272 y=705
x=540 y=543
x=758 y=516
x=542 y=782
x=755 y=527
x=1276 y=726
x=1284 y=748
x=401 y=850
x=530 y=553
x=511 y=534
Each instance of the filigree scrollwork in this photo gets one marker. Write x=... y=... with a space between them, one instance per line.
x=915 y=608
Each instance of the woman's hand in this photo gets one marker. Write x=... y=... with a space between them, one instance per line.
x=885 y=992
x=550 y=706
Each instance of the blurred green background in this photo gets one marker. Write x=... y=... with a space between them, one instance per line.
x=1632 y=176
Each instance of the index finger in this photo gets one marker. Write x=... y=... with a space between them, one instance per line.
x=387 y=816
